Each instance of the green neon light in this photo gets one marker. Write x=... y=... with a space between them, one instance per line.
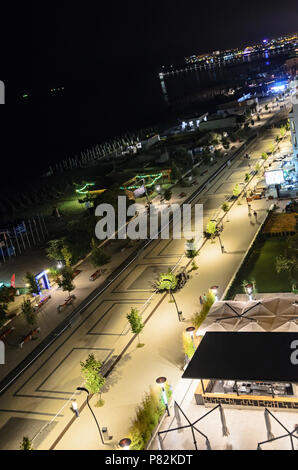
x=82 y=190
x=155 y=176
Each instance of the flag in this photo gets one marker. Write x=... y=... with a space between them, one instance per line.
x=13 y=281
x=21 y=228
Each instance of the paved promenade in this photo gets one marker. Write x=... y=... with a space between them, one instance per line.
x=40 y=396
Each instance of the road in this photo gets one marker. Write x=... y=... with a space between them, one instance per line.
x=44 y=390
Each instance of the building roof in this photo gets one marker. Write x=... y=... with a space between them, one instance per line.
x=244 y=356
x=268 y=314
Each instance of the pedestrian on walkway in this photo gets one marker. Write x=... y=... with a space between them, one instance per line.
x=75 y=407
x=204 y=298
x=201 y=300
x=256 y=215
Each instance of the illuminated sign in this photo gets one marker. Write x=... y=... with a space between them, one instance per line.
x=274 y=177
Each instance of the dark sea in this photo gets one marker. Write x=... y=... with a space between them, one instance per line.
x=96 y=104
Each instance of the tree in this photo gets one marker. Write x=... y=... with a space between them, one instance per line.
x=26 y=444
x=7 y=295
x=32 y=284
x=54 y=250
x=247 y=177
x=211 y=228
x=136 y=323
x=3 y=312
x=98 y=255
x=264 y=156
x=66 y=255
x=236 y=190
x=94 y=380
x=257 y=167
x=166 y=282
x=29 y=313
x=272 y=148
x=66 y=280
x=168 y=194
x=192 y=251
x=225 y=208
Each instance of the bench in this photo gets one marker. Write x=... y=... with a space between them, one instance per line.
x=43 y=301
x=95 y=275
x=6 y=333
x=76 y=273
x=29 y=337
x=66 y=303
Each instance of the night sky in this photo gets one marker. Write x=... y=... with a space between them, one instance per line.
x=57 y=42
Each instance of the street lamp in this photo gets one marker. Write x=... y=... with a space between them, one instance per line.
x=82 y=389
x=190 y=330
x=174 y=300
x=125 y=443
x=161 y=382
x=249 y=290
x=214 y=290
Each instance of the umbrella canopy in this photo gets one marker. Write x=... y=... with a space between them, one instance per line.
x=252 y=326
x=212 y=327
x=280 y=305
x=256 y=309
x=289 y=326
x=223 y=309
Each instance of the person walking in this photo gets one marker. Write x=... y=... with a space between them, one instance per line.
x=256 y=215
x=201 y=300
x=204 y=298
x=75 y=408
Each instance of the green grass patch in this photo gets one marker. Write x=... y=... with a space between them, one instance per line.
x=260 y=267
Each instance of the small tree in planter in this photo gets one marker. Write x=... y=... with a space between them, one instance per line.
x=264 y=156
x=236 y=191
x=26 y=444
x=29 y=313
x=94 y=381
x=32 y=284
x=98 y=255
x=66 y=281
x=225 y=208
x=247 y=177
x=257 y=168
x=136 y=324
x=192 y=252
x=211 y=229
x=3 y=312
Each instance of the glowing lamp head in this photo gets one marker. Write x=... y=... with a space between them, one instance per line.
x=161 y=381
x=249 y=289
x=214 y=290
x=125 y=443
x=190 y=330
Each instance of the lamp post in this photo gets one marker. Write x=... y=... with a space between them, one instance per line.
x=174 y=300
x=125 y=443
x=87 y=391
x=214 y=290
x=221 y=245
x=161 y=382
x=191 y=330
x=249 y=290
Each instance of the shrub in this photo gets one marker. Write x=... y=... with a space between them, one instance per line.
x=188 y=346
x=147 y=417
x=199 y=317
